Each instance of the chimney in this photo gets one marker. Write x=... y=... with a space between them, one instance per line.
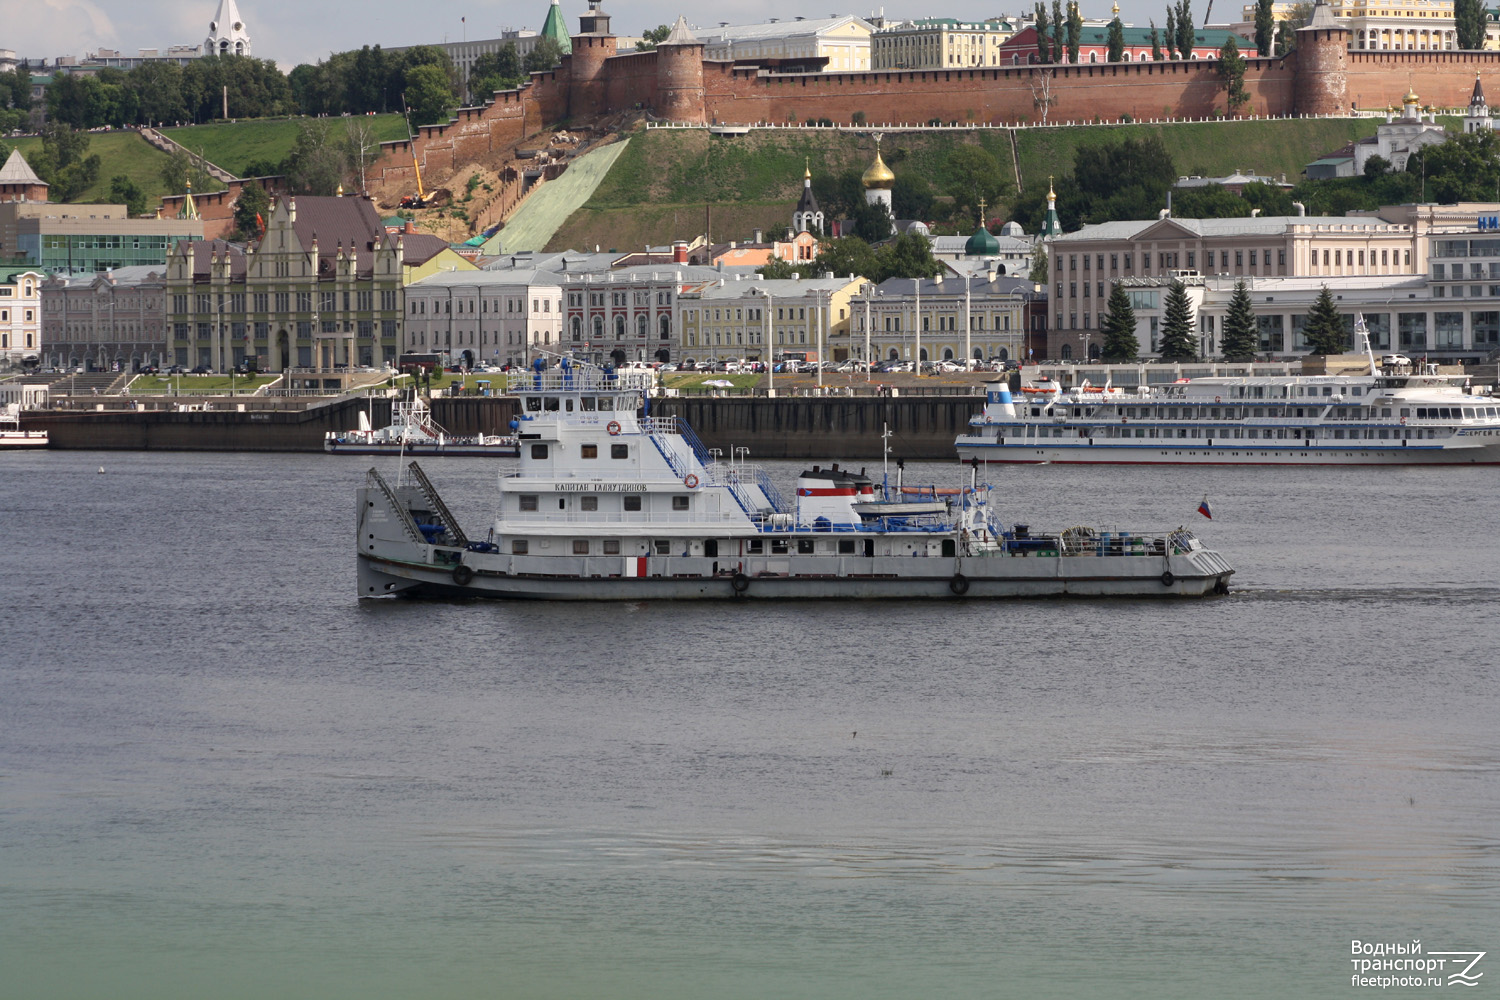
x=759 y=236
x=1301 y=208
x=410 y=227
x=679 y=252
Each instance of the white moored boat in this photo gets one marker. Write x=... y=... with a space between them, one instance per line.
x=11 y=435
x=1382 y=418
x=612 y=504
x=412 y=431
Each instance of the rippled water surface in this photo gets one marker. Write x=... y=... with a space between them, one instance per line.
x=222 y=776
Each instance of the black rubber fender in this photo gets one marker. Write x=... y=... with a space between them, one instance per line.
x=1167 y=579
x=463 y=575
x=959 y=584
x=740 y=582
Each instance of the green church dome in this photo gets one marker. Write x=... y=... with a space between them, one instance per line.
x=982 y=244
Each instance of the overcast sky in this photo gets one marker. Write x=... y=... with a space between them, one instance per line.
x=307 y=30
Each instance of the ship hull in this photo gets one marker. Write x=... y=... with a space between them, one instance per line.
x=417 y=450
x=1084 y=454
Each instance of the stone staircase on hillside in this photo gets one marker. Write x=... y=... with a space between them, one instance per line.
x=171 y=146
x=89 y=384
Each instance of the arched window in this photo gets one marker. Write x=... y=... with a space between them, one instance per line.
x=598 y=328
x=619 y=327
x=577 y=328
x=1067 y=352
x=947 y=354
x=924 y=354
x=666 y=327
x=642 y=326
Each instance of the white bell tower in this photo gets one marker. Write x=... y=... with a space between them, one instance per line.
x=226 y=32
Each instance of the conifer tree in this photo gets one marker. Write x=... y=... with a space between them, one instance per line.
x=1171 y=34
x=1186 y=34
x=1265 y=27
x=1241 y=331
x=1325 y=326
x=1156 y=55
x=1116 y=40
x=1120 y=343
x=1177 y=340
x=1043 y=43
x=1059 y=27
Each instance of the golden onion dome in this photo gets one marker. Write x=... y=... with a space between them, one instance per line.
x=1411 y=98
x=879 y=175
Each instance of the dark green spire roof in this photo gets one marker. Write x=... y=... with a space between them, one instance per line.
x=555 y=29
x=982 y=244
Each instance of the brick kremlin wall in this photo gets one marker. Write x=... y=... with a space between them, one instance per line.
x=1321 y=77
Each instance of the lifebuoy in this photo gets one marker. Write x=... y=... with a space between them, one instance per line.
x=1403 y=421
x=1167 y=579
x=463 y=575
x=959 y=584
x=613 y=427
x=740 y=582
x=1216 y=399
x=690 y=481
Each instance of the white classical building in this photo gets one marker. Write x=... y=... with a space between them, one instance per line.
x=1397 y=138
x=839 y=44
x=492 y=317
x=940 y=43
x=750 y=317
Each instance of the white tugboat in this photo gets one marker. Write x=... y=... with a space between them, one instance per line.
x=612 y=504
x=1389 y=417
x=412 y=431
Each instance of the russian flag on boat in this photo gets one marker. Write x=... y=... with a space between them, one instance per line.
x=1203 y=509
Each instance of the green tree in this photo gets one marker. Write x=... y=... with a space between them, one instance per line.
x=1468 y=22
x=1038 y=273
x=1171 y=36
x=1043 y=41
x=1375 y=166
x=911 y=197
x=1465 y=167
x=316 y=164
x=174 y=172
x=1265 y=27
x=1118 y=326
x=1059 y=29
x=1156 y=53
x=494 y=71
x=124 y=191
x=776 y=268
x=1231 y=70
x=250 y=209
x=907 y=256
x=429 y=96
x=1116 y=40
x=972 y=175
x=1178 y=342
x=652 y=37
x=1075 y=30
x=1325 y=326
x=1211 y=201
x=1186 y=33
x=546 y=55
x=845 y=255
x=1241 y=332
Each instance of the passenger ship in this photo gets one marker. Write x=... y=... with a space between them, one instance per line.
x=412 y=431
x=611 y=503
x=1374 y=419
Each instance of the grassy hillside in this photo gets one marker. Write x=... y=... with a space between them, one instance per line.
x=659 y=187
x=119 y=153
x=232 y=145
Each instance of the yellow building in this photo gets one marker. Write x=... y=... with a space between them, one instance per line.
x=1376 y=25
x=799 y=319
x=939 y=43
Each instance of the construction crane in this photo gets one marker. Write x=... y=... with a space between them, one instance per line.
x=421 y=199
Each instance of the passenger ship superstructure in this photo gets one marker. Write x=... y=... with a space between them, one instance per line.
x=412 y=431
x=610 y=503
x=1374 y=419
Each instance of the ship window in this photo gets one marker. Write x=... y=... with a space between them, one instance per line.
x=587 y=403
x=805 y=546
x=611 y=546
x=551 y=403
x=518 y=547
x=533 y=402
x=663 y=547
x=778 y=546
x=679 y=503
x=846 y=546
x=589 y=451
x=755 y=546
x=528 y=502
x=580 y=546
x=606 y=403
x=619 y=451
x=633 y=502
x=588 y=503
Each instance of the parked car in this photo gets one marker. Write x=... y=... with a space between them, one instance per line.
x=177 y=370
x=202 y=370
x=147 y=370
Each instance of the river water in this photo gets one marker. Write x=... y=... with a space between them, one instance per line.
x=222 y=776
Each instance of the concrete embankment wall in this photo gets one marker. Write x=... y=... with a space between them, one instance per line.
x=829 y=427
x=813 y=428
x=228 y=429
